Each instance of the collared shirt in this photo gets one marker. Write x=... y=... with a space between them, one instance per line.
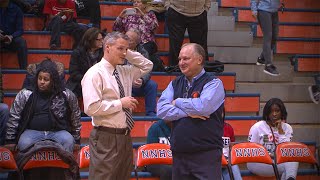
x=211 y=98
x=264 y=5
x=11 y=20
x=189 y=7
x=101 y=95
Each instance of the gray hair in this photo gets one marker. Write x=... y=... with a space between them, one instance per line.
x=111 y=38
x=198 y=49
x=138 y=32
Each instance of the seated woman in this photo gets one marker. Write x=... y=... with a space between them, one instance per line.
x=88 y=53
x=273 y=130
x=45 y=111
x=139 y=18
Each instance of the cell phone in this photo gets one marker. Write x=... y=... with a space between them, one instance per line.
x=131 y=11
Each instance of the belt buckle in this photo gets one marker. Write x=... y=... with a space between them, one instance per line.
x=127 y=132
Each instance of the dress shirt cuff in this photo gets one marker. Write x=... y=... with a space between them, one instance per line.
x=117 y=103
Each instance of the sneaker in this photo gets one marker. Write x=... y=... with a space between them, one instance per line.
x=53 y=47
x=261 y=61
x=271 y=70
x=314 y=94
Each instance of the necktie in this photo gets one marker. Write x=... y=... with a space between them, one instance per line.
x=129 y=120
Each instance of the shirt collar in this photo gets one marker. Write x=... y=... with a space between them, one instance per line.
x=196 y=77
x=107 y=65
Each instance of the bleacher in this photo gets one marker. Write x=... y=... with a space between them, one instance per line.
x=233 y=38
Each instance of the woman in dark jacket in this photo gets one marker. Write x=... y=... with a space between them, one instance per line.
x=45 y=110
x=88 y=53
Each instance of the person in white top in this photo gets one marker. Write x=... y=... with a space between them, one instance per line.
x=106 y=89
x=273 y=130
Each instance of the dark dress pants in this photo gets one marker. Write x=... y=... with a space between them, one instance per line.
x=177 y=23
x=57 y=25
x=202 y=165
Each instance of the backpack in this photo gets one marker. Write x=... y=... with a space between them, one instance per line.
x=158 y=65
x=214 y=66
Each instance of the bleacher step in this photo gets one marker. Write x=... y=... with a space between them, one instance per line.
x=254 y=73
x=298 y=113
x=287 y=92
x=221 y=23
x=235 y=54
x=306 y=133
x=230 y=38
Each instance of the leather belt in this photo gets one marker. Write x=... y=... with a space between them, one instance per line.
x=124 y=131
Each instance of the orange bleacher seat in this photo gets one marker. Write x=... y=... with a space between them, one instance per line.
x=113 y=8
x=300 y=46
x=247 y=152
x=150 y=154
x=307 y=64
x=295 y=152
x=7 y=161
x=161 y=78
x=233 y=103
x=35 y=56
x=40 y=40
x=164 y=79
x=295 y=31
x=288 y=16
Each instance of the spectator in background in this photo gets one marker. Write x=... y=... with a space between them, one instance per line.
x=88 y=53
x=269 y=132
x=144 y=85
x=314 y=90
x=228 y=137
x=47 y=111
x=4 y=114
x=194 y=104
x=190 y=15
x=157 y=6
x=266 y=12
x=160 y=132
x=91 y=9
x=11 y=30
x=61 y=16
x=138 y=18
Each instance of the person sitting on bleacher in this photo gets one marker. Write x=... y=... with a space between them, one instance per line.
x=11 y=30
x=44 y=111
x=269 y=132
x=61 y=16
x=138 y=18
x=144 y=85
x=160 y=132
x=87 y=54
x=90 y=9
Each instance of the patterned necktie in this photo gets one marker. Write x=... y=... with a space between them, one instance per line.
x=129 y=120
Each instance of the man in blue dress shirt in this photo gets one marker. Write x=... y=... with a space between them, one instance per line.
x=194 y=103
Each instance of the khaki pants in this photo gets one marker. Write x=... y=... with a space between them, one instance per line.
x=110 y=156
